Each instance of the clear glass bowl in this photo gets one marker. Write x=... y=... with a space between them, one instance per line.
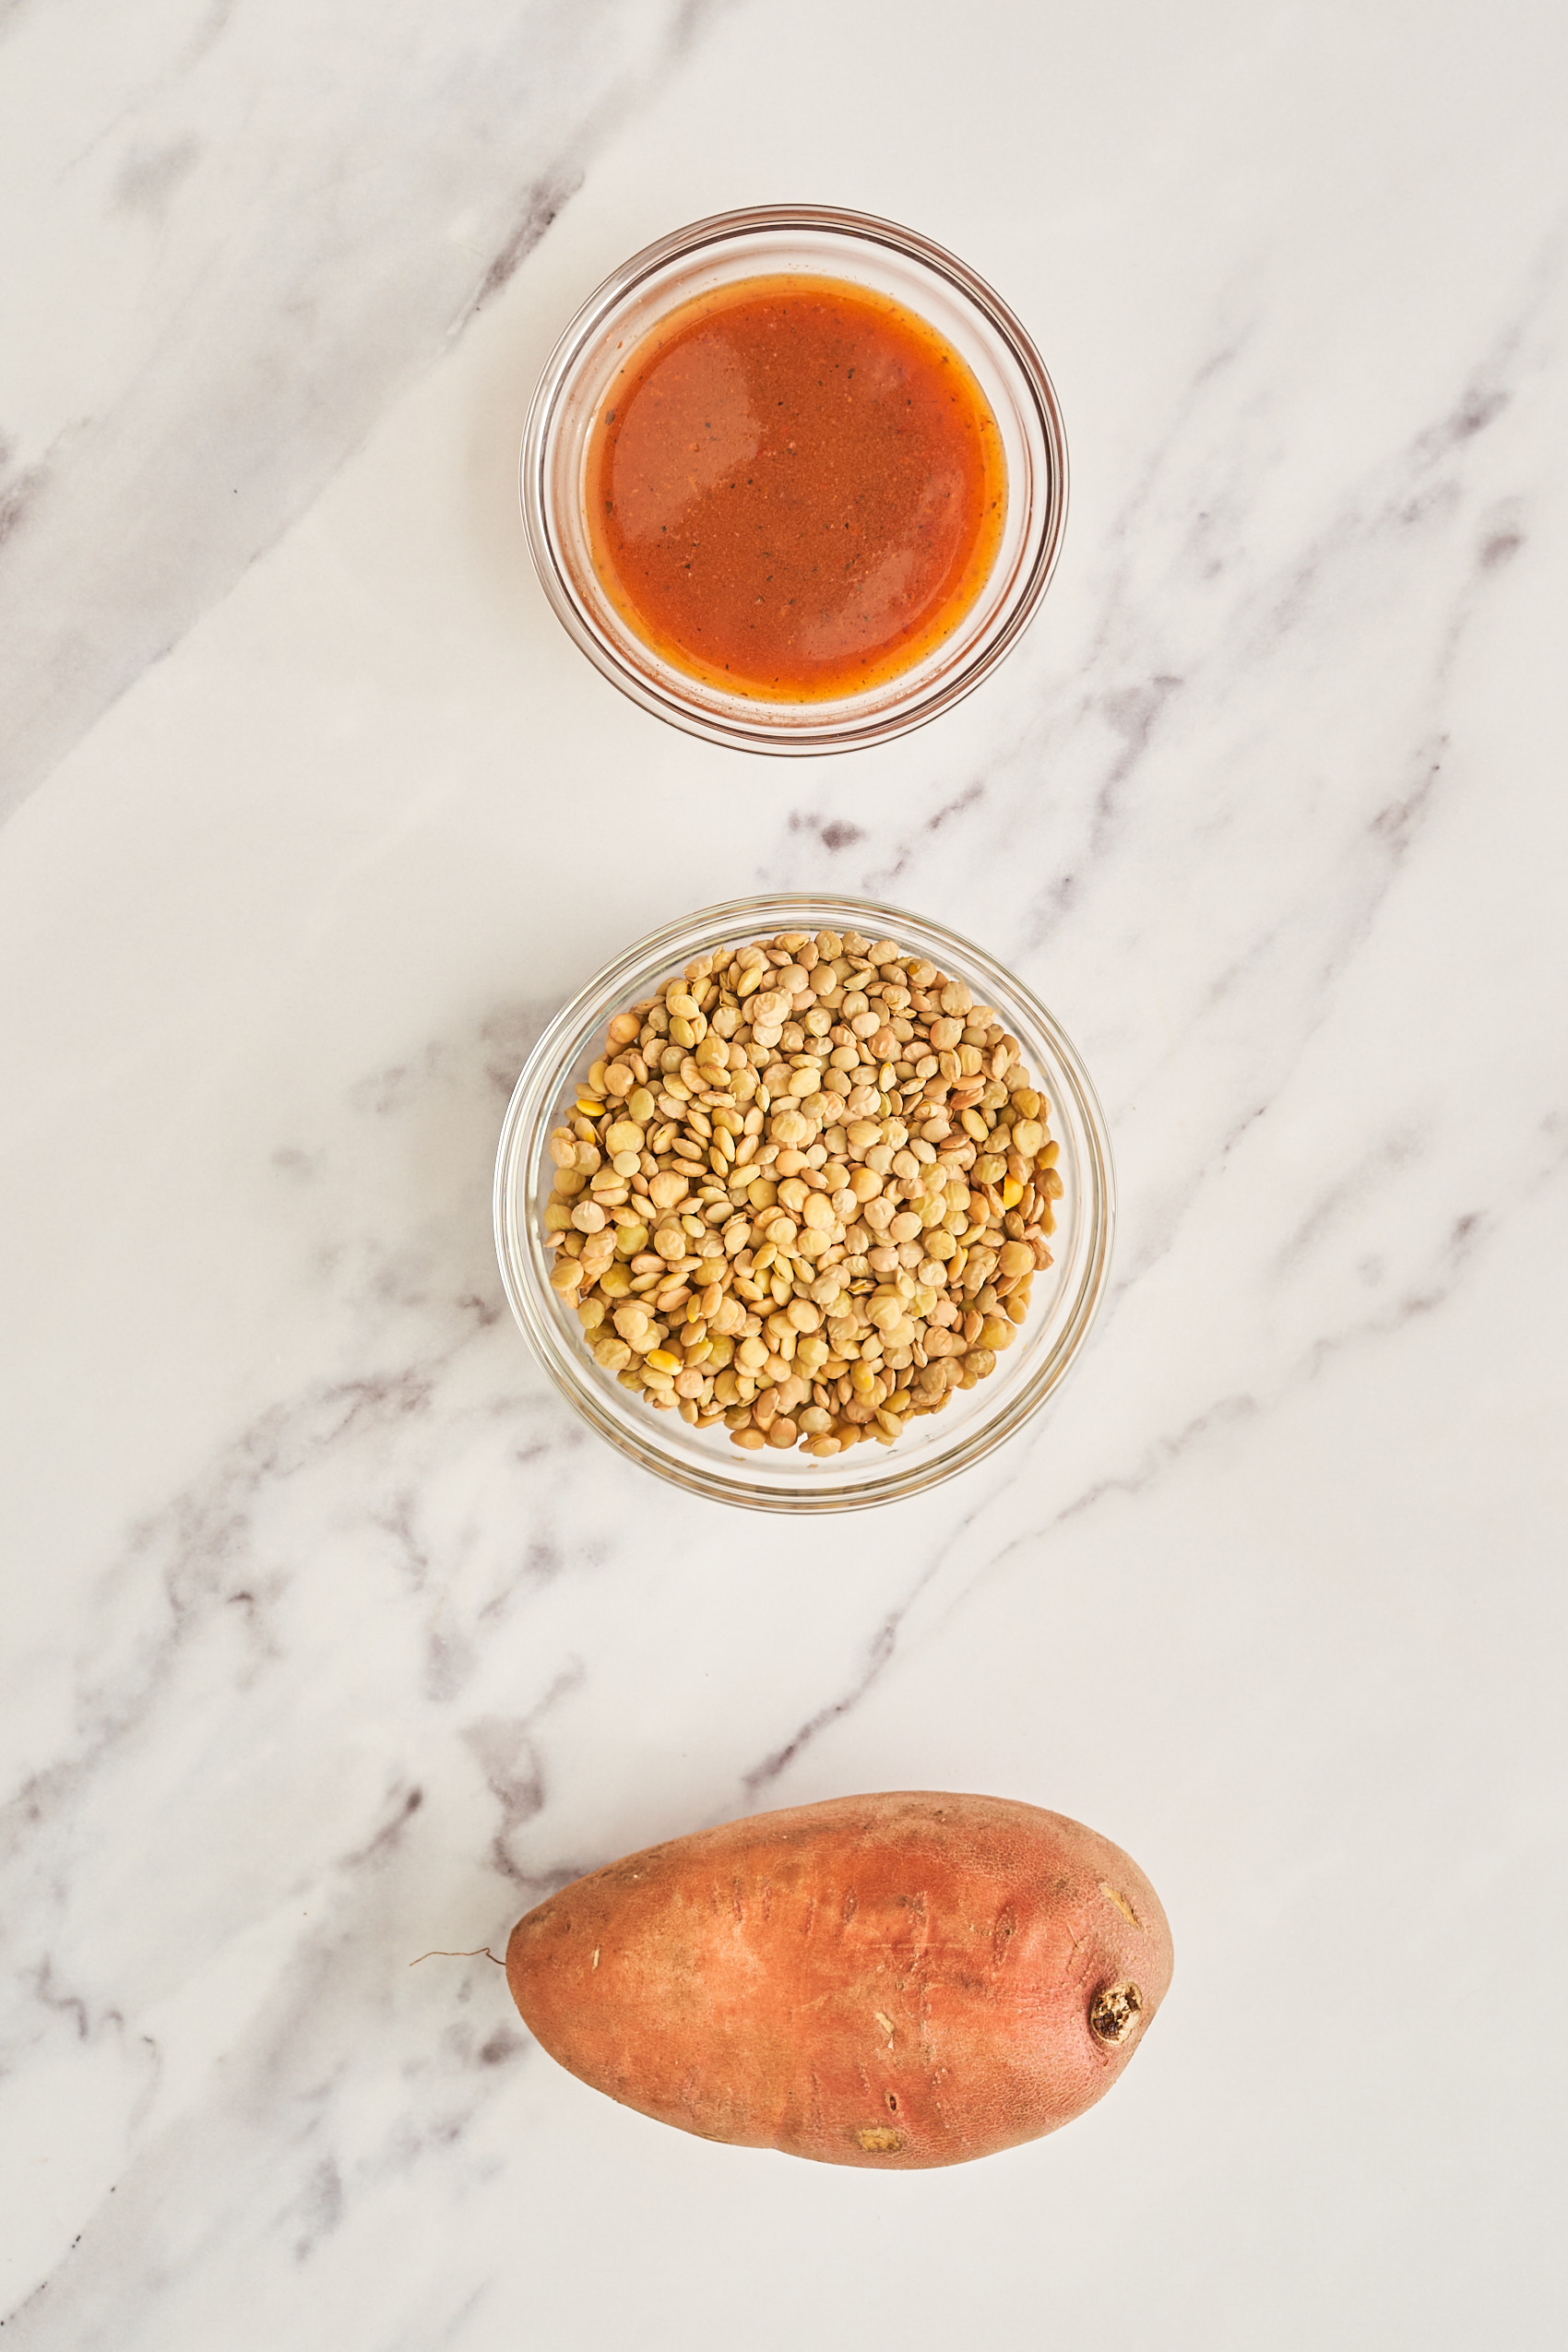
x=1065 y=1299
x=808 y=240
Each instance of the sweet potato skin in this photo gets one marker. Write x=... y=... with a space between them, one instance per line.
x=894 y=1981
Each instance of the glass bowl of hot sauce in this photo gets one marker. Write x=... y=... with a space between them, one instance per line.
x=1066 y=1297
x=795 y=479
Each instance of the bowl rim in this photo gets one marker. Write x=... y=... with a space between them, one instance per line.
x=846 y=733
x=537 y=1093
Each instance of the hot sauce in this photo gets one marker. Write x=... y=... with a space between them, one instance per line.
x=795 y=489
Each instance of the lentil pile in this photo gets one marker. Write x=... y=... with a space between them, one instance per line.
x=804 y=1193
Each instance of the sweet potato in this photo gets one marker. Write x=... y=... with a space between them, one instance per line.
x=894 y=1981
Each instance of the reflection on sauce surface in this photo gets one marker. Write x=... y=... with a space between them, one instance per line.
x=795 y=489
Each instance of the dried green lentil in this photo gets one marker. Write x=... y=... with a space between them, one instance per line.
x=803 y=1192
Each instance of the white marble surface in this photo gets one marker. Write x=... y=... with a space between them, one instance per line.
x=330 y=1635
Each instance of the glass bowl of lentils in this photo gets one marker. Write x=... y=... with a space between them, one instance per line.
x=806 y=1204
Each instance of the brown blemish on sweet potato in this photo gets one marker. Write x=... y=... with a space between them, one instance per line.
x=1123 y=1906
x=877 y=2140
x=1114 y=2010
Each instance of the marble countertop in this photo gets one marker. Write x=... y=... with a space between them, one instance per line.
x=330 y=1634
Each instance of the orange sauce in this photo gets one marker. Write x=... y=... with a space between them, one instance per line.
x=795 y=489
